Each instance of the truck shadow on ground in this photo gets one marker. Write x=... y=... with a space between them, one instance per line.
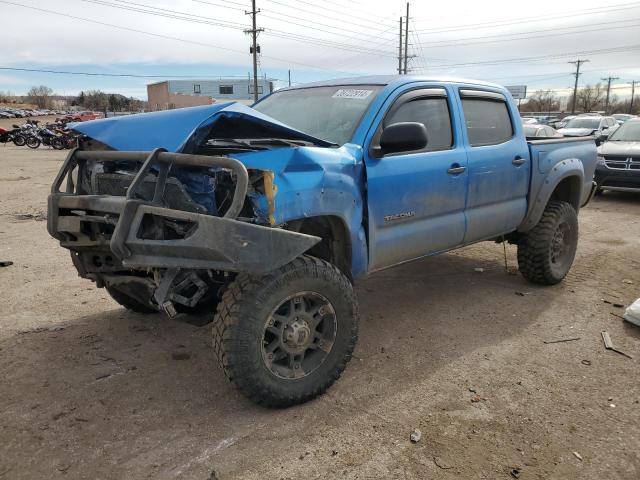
x=618 y=198
x=90 y=390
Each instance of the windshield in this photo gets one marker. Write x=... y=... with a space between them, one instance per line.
x=628 y=132
x=529 y=131
x=583 y=123
x=329 y=113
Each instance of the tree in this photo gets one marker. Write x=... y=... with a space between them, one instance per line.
x=7 y=97
x=41 y=96
x=590 y=98
x=96 y=100
x=542 y=101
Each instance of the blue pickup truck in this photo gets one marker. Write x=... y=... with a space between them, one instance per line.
x=267 y=215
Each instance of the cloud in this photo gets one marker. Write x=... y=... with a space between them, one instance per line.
x=335 y=38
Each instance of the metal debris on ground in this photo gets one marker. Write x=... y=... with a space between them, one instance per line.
x=586 y=362
x=608 y=344
x=415 y=436
x=616 y=315
x=522 y=294
x=478 y=270
x=476 y=398
x=5 y=263
x=577 y=455
x=515 y=473
x=30 y=216
x=627 y=281
x=562 y=340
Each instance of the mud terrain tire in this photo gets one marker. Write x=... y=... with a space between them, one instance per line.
x=546 y=252
x=311 y=307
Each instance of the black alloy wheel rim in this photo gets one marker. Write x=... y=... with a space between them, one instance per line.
x=299 y=335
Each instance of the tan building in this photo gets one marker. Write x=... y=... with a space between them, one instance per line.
x=190 y=93
x=161 y=98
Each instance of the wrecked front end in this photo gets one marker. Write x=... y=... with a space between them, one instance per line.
x=167 y=229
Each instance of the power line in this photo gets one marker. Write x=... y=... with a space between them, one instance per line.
x=158 y=35
x=188 y=17
x=463 y=42
x=254 y=46
x=608 y=80
x=577 y=63
x=406 y=39
x=620 y=49
x=346 y=24
x=540 y=18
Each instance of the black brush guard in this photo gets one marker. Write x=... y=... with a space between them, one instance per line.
x=215 y=243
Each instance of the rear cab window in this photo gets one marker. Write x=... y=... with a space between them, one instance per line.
x=487 y=117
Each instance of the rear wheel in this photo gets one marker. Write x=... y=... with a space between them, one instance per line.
x=285 y=337
x=546 y=253
x=57 y=143
x=19 y=140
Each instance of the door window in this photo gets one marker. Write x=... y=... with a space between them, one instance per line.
x=432 y=112
x=487 y=120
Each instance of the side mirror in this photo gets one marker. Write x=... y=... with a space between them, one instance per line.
x=403 y=137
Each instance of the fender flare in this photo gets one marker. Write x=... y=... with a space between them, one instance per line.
x=571 y=167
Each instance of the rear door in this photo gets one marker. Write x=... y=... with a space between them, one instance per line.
x=498 y=165
x=416 y=198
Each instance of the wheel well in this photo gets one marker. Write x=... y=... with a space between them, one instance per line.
x=568 y=190
x=335 y=246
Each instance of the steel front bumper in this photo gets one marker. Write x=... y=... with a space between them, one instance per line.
x=216 y=243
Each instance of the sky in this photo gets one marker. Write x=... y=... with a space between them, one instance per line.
x=511 y=43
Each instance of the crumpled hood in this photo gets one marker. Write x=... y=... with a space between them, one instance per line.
x=183 y=129
x=577 y=132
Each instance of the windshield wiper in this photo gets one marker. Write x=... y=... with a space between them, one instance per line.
x=232 y=142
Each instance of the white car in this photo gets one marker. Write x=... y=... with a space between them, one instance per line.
x=586 y=125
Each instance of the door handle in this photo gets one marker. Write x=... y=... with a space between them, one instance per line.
x=456 y=169
x=518 y=161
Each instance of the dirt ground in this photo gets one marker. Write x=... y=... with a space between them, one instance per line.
x=89 y=390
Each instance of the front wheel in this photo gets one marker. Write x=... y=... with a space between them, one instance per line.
x=546 y=253
x=283 y=338
x=33 y=142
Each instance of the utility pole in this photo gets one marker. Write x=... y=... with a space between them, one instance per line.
x=606 y=102
x=406 y=40
x=577 y=63
x=255 y=48
x=400 y=50
x=633 y=91
x=289 y=77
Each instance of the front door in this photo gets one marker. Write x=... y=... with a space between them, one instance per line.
x=416 y=199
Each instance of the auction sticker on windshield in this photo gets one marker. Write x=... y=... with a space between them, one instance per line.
x=352 y=93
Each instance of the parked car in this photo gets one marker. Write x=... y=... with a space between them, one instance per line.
x=564 y=121
x=622 y=117
x=6 y=114
x=529 y=120
x=83 y=116
x=533 y=130
x=272 y=212
x=586 y=125
x=619 y=159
